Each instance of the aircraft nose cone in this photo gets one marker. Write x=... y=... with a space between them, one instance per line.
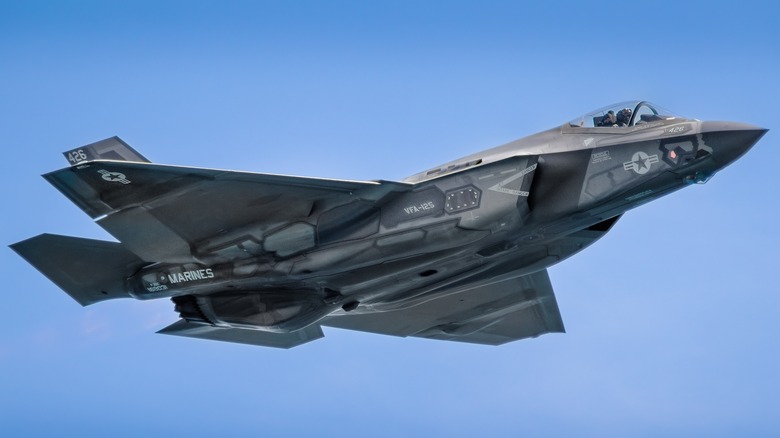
x=730 y=140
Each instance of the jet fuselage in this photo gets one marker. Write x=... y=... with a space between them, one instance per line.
x=294 y=257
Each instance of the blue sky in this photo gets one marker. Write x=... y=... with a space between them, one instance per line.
x=672 y=319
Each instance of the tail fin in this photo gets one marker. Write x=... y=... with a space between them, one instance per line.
x=109 y=149
x=88 y=270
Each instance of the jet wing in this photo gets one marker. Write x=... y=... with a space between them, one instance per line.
x=167 y=213
x=492 y=314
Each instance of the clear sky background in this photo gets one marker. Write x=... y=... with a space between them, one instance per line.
x=672 y=319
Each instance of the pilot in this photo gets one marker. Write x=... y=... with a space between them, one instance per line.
x=609 y=119
x=623 y=117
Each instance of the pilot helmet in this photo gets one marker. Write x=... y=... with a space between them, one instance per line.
x=624 y=115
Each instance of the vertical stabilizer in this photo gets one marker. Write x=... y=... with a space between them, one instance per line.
x=113 y=149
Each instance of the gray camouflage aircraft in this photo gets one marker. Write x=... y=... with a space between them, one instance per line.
x=459 y=252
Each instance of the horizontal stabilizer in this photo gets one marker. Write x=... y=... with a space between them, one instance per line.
x=243 y=336
x=88 y=270
x=113 y=149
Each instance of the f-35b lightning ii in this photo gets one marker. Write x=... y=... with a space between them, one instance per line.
x=459 y=252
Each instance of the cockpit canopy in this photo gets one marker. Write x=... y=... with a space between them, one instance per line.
x=624 y=114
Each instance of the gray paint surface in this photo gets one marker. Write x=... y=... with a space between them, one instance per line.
x=458 y=252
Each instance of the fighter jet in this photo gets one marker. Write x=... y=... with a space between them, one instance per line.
x=458 y=252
